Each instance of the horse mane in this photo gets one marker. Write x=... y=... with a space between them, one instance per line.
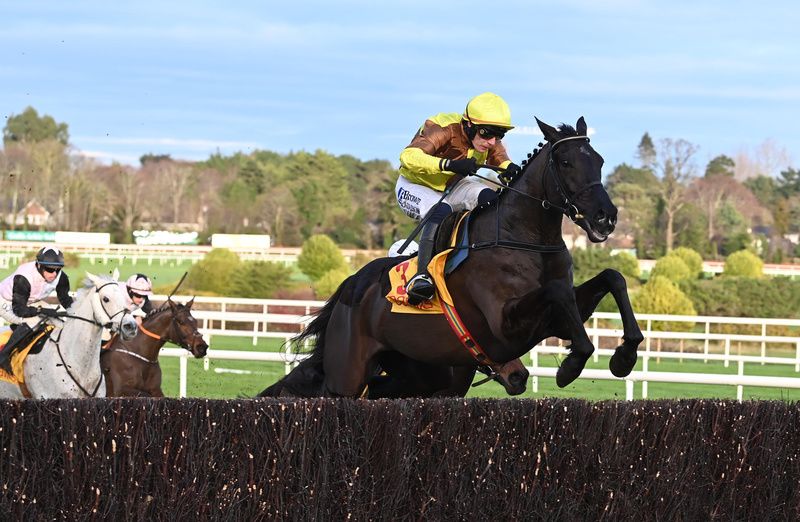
x=564 y=131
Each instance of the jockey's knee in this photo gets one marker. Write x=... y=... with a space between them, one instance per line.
x=439 y=211
x=487 y=195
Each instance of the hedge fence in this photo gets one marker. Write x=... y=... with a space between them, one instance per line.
x=323 y=459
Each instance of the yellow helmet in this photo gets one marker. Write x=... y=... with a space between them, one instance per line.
x=488 y=109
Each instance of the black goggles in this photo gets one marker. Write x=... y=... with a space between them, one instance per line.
x=51 y=269
x=488 y=132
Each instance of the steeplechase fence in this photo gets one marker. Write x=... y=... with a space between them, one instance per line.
x=324 y=459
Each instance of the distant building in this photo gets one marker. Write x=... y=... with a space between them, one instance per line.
x=32 y=215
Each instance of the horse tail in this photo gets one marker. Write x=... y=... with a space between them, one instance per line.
x=306 y=379
x=317 y=327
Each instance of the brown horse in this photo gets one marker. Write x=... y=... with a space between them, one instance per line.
x=513 y=290
x=131 y=367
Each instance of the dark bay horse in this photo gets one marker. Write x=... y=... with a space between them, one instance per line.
x=131 y=367
x=513 y=290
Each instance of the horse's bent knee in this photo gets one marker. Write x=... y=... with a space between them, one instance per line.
x=614 y=279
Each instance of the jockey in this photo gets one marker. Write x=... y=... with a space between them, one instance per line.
x=445 y=151
x=137 y=290
x=22 y=295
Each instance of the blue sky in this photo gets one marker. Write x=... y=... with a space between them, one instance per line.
x=353 y=77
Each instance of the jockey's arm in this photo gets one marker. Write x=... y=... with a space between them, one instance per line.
x=62 y=291
x=419 y=162
x=21 y=292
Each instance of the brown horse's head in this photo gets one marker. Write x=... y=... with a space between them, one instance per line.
x=573 y=180
x=183 y=331
x=512 y=375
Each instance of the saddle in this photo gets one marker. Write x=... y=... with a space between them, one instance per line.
x=448 y=256
x=32 y=344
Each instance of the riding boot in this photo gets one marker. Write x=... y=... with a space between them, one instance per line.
x=420 y=287
x=19 y=333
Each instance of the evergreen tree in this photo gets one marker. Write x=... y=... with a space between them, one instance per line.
x=29 y=127
x=721 y=165
x=646 y=152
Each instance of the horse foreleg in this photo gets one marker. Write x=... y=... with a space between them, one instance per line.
x=588 y=296
x=550 y=310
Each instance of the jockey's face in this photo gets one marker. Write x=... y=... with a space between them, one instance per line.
x=486 y=137
x=49 y=272
x=136 y=298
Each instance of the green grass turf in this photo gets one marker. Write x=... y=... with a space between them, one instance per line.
x=220 y=385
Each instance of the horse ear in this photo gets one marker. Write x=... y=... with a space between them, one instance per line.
x=189 y=304
x=550 y=133
x=93 y=278
x=581 y=127
x=115 y=274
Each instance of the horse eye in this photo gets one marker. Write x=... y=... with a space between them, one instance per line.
x=106 y=299
x=564 y=163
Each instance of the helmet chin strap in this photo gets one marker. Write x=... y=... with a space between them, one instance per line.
x=469 y=129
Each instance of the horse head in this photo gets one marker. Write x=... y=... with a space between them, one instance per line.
x=109 y=305
x=573 y=180
x=184 y=330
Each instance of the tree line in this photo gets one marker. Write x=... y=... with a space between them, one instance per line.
x=665 y=201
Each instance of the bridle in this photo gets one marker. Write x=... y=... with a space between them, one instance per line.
x=108 y=325
x=174 y=335
x=569 y=209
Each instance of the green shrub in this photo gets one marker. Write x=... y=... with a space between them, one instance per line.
x=672 y=267
x=588 y=262
x=261 y=280
x=214 y=273
x=777 y=297
x=325 y=286
x=662 y=296
x=318 y=256
x=692 y=259
x=744 y=264
x=627 y=264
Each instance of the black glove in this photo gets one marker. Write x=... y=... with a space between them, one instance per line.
x=465 y=167
x=511 y=173
x=48 y=312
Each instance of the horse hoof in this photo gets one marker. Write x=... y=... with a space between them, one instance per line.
x=570 y=370
x=623 y=360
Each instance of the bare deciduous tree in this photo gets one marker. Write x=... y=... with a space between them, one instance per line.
x=767 y=159
x=674 y=164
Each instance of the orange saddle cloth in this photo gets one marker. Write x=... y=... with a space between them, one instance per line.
x=403 y=272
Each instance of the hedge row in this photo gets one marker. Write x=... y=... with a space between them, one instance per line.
x=744 y=296
x=327 y=459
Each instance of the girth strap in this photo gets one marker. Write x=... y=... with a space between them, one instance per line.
x=466 y=338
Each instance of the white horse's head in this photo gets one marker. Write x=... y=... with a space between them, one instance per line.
x=109 y=305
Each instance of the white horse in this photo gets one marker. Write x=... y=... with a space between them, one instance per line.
x=69 y=363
